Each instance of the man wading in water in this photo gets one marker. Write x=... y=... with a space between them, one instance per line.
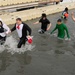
x=45 y=24
x=21 y=29
x=61 y=29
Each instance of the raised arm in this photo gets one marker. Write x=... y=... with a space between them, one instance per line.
x=73 y=16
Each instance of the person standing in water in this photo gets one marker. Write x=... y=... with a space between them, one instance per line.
x=61 y=29
x=21 y=29
x=73 y=16
x=45 y=23
x=65 y=13
x=4 y=30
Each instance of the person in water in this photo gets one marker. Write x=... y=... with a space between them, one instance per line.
x=45 y=23
x=21 y=29
x=4 y=30
x=61 y=29
x=73 y=16
x=65 y=13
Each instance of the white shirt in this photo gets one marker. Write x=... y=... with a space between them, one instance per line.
x=7 y=29
x=19 y=31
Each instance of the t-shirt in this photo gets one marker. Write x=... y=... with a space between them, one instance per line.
x=44 y=23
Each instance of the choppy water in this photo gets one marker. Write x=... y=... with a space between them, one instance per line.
x=11 y=46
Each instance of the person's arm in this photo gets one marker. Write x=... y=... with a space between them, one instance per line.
x=67 y=31
x=49 y=24
x=29 y=29
x=36 y=22
x=54 y=29
x=73 y=16
x=14 y=28
x=6 y=28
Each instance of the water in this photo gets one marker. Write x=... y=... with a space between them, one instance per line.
x=11 y=46
x=48 y=55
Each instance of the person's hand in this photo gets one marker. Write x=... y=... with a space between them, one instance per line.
x=7 y=32
x=48 y=29
x=28 y=36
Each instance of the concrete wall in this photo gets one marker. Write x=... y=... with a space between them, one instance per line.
x=35 y=13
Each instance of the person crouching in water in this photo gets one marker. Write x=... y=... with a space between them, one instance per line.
x=61 y=29
x=65 y=13
x=45 y=24
x=4 y=30
x=21 y=29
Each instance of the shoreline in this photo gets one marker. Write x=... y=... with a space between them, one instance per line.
x=26 y=15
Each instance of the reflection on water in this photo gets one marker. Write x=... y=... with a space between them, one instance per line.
x=7 y=62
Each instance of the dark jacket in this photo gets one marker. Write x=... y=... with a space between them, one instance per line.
x=24 y=30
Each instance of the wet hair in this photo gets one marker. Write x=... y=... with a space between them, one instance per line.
x=59 y=20
x=66 y=9
x=44 y=15
x=18 y=19
x=1 y=22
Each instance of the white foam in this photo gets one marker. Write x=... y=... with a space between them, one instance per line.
x=11 y=46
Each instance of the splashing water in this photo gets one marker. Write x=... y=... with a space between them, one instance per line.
x=11 y=46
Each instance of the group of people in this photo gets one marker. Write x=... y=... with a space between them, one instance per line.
x=23 y=28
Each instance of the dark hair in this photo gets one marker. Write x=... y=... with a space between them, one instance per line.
x=44 y=15
x=66 y=9
x=1 y=22
x=18 y=19
x=59 y=20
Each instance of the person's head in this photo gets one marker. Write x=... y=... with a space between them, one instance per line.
x=59 y=21
x=44 y=16
x=66 y=9
x=18 y=21
x=1 y=23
